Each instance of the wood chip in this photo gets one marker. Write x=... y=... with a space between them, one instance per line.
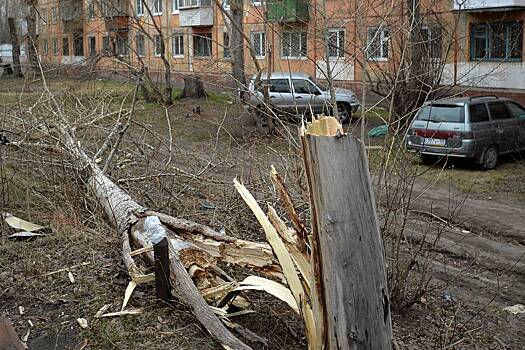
x=103 y=309
x=271 y=287
x=82 y=322
x=124 y=313
x=71 y=277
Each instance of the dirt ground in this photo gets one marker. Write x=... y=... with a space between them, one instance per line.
x=465 y=224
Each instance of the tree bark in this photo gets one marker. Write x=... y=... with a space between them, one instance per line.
x=31 y=35
x=237 y=46
x=347 y=250
x=16 y=47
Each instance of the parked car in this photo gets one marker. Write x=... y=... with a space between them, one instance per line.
x=481 y=128
x=6 y=53
x=299 y=93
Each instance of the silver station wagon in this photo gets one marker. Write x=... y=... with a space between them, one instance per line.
x=298 y=93
x=480 y=128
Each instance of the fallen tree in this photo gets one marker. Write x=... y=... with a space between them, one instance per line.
x=301 y=260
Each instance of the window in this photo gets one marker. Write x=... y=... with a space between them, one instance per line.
x=44 y=47
x=187 y=3
x=301 y=86
x=202 y=45
x=226 y=46
x=55 y=46
x=105 y=44
x=258 y=41
x=293 y=45
x=122 y=46
x=90 y=10
x=104 y=9
x=78 y=46
x=257 y=2
x=496 y=41
x=377 y=44
x=65 y=46
x=516 y=110
x=43 y=16
x=432 y=38
x=478 y=113
x=280 y=85
x=54 y=15
x=139 y=42
x=92 y=45
x=174 y=6
x=177 y=45
x=336 y=43
x=139 y=7
x=442 y=113
x=121 y=8
x=159 y=46
x=157 y=7
x=498 y=111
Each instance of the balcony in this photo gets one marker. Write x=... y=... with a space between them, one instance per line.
x=117 y=23
x=195 y=13
x=287 y=11
x=487 y=5
x=72 y=15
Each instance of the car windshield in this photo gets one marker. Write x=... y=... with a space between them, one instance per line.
x=442 y=113
x=321 y=86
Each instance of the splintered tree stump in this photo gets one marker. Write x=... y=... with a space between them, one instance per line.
x=193 y=88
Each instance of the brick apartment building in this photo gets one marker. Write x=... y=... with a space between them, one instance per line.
x=480 y=41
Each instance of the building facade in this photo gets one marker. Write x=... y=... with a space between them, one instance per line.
x=478 y=42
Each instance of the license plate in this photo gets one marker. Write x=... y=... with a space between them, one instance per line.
x=435 y=142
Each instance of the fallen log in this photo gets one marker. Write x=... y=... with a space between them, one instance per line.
x=125 y=214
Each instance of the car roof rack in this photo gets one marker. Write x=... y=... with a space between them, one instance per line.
x=483 y=96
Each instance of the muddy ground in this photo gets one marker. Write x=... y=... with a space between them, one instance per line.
x=464 y=224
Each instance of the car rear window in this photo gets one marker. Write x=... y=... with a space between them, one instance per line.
x=442 y=113
x=516 y=110
x=498 y=110
x=478 y=113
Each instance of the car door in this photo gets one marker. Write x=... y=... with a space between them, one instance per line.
x=281 y=94
x=481 y=127
x=307 y=96
x=518 y=112
x=506 y=127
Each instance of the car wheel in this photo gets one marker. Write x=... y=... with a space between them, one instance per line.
x=490 y=158
x=344 y=112
x=427 y=159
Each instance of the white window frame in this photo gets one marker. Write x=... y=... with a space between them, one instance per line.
x=143 y=39
x=174 y=11
x=226 y=5
x=262 y=47
x=384 y=35
x=257 y=3
x=56 y=49
x=156 y=46
x=139 y=8
x=157 y=8
x=175 y=43
x=54 y=15
x=299 y=57
x=188 y=4
x=45 y=47
x=90 y=10
x=43 y=17
x=340 y=52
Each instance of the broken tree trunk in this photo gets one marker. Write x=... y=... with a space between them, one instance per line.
x=347 y=251
x=193 y=88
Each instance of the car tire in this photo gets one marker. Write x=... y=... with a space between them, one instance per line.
x=490 y=157
x=344 y=112
x=427 y=159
